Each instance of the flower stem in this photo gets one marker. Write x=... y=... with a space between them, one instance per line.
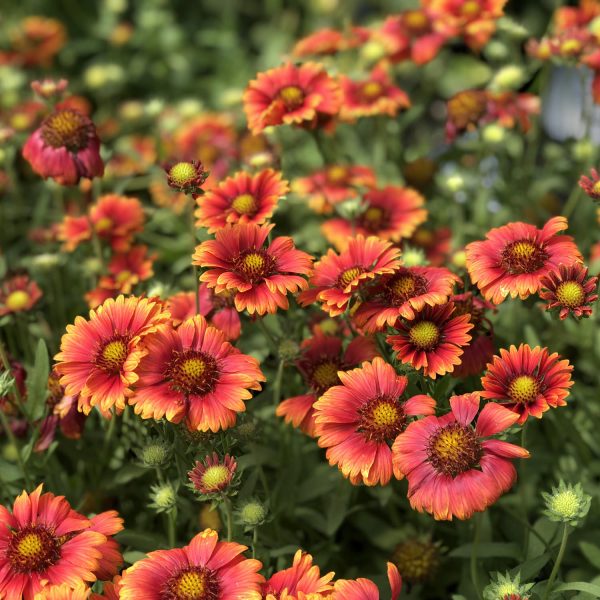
x=277 y=383
x=474 y=547
x=171 y=521
x=571 y=202
x=254 y=541
x=194 y=267
x=559 y=557
x=229 y=517
x=268 y=334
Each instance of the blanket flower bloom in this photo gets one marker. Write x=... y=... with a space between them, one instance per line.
x=365 y=589
x=513 y=258
x=527 y=380
x=452 y=470
x=213 y=475
x=298 y=582
x=242 y=198
x=45 y=542
x=99 y=356
x=338 y=277
x=291 y=95
x=206 y=569
x=191 y=373
x=260 y=277
x=322 y=357
x=434 y=340
x=65 y=147
x=356 y=421
x=18 y=294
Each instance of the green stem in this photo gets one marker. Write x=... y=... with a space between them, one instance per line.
x=6 y=365
x=13 y=441
x=229 y=518
x=557 y=562
x=571 y=202
x=171 y=521
x=192 y=205
x=474 y=573
x=277 y=383
x=268 y=334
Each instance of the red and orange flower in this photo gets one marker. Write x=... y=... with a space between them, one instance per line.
x=527 y=380
x=591 y=185
x=191 y=373
x=338 y=277
x=376 y=95
x=18 y=294
x=65 y=147
x=108 y=524
x=291 y=95
x=206 y=568
x=402 y=293
x=243 y=198
x=514 y=258
x=434 y=340
x=213 y=475
x=260 y=278
x=323 y=42
x=365 y=589
x=127 y=269
x=322 y=357
x=570 y=291
x=301 y=581
x=43 y=541
x=358 y=420
x=451 y=469
x=391 y=213
x=99 y=356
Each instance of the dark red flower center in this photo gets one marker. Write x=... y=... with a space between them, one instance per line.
x=382 y=419
x=425 y=335
x=373 y=219
x=325 y=375
x=524 y=389
x=292 y=96
x=244 y=204
x=404 y=286
x=348 y=276
x=255 y=265
x=192 y=372
x=570 y=294
x=67 y=129
x=193 y=583
x=523 y=256
x=112 y=354
x=454 y=449
x=371 y=91
x=33 y=549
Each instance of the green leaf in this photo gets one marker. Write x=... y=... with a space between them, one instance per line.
x=489 y=550
x=578 y=586
x=133 y=556
x=462 y=72
x=591 y=552
x=37 y=383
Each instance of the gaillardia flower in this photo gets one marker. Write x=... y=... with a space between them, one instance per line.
x=527 y=380
x=66 y=592
x=45 y=542
x=291 y=95
x=213 y=475
x=513 y=258
x=260 y=277
x=338 y=277
x=243 y=198
x=358 y=420
x=322 y=356
x=365 y=589
x=505 y=587
x=186 y=177
x=98 y=357
x=391 y=213
x=433 y=341
x=591 y=185
x=65 y=147
x=18 y=294
x=192 y=373
x=451 y=469
x=417 y=559
x=298 y=582
x=402 y=293
x=570 y=291
x=206 y=569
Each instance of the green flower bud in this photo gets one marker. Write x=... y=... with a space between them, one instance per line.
x=567 y=503
x=288 y=350
x=155 y=454
x=504 y=587
x=163 y=497
x=252 y=514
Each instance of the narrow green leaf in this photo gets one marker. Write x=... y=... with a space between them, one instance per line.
x=37 y=383
x=578 y=586
x=591 y=552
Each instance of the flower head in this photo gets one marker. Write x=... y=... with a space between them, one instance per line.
x=155 y=454
x=163 y=497
x=49 y=88
x=591 y=185
x=65 y=147
x=242 y=198
x=18 y=294
x=206 y=569
x=417 y=559
x=259 y=277
x=99 y=356
x=213 y=475
x=567 y=503
x=358 y=420
x=289 y=95
x=186 y=176
x=64 y=592
x=513 y=259
x=192 y=374
x=252 y=513
x=433 y=340
x=504 y=587
x=365 y=589
x=527 y=380
x=570 y=291
x=452 y=470
x=338 y=277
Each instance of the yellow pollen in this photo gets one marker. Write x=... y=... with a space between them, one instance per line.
x=337 y=174
x=245 y=204
x=30 y=546
x=569 y=293
x=523 y=389
x=191 y=585
x=372 y=90
x=19 y=121
x=123 y=276
x=415 y=19
x=523 y=250
x=565 y=504
x=254 y=262
x=404 y=286
x=384 y=414
x=182 y=173
x=214 y=477
x=471 y=8
x=326 y=374
x=192 y=368
x=17 y=300
x=570 y=47
x=373 y=215
x=349 y=275
x=449 y=444
x=291 y=95
x=103 y=224
x=596 y=187
x=114 y=354
x=66 y=128
x=424 y=335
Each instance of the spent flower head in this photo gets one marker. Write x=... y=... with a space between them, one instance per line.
x=504 y=587
x=567 y=503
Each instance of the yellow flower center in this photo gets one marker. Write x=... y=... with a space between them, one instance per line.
x=245 y=204
x=123 y=276
x=103 y=224
x=349 y=275
x=32 y=549
x=523 y=250
x=192 y=372
x=570 y=294
x=566 y=504
x=182 y=173
x=254 y=262
x=30 y=546
x=384 y=414
x=570 y=47
x=523 y=256
x=454 y=449
x=215 y=477
x=255 y=265
x=523 y=389
x=423 y=237
x=113 y=356
x=596 y=187
x=17 y=300
x=424 y=335
x=326 y=374
x=405 y=285
x=415 y=19
x=337 y=174
x=193 y=583
x=416 y=559
x=372 y=217
x=292 y=96
x=371 y=90
x=381 y=419
x=470 y=8
x=66 y=129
